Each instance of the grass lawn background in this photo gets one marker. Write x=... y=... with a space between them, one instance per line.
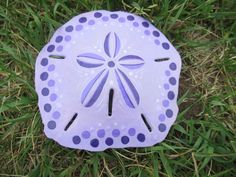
x=202 y=141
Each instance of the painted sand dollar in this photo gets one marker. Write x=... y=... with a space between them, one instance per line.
x=107 y=80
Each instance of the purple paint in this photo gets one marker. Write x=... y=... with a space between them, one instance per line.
x=91 y=22
x=56 y=115
x=59 y=48
x=53 y=97
x=82 y=19
x=44 y=76
x=51 y=124
x=101 y=133
x=105 y=18
x=51 y=83
x=162 y=117
x=85 y=134
x=50 y=48
x=69 y=28
x=78 y=27
x=97 y=14
x=76 y=139
x=109 y=141
x=59 y=39
x=67 y=38
x=130 y=17
x=51 y=67
x=100 y=55
x=141 y=137
x=132 y=131
x=125 y=139
x=135 y=24
x=115 y=132
x=44 y=62
x=121 y=19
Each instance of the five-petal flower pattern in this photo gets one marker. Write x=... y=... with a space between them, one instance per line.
x=92 y=60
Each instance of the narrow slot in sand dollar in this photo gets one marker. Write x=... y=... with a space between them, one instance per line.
x=107 y=80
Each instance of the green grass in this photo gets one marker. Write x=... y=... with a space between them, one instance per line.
x=201 y=143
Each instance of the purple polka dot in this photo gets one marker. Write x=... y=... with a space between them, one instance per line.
x=94 y=142
x=101 y=133
x=156 y=33
x=44 y=62
x=167 y=73
x=109 y=141
x=82 y=19
x=141 y=137
x=172 y=81
x=162 y=117
x=76 y=139
x=45 y=91
x=51 y=83
x=59 y=39
x=56 y=115
x=105 y=18
x=85 y=134
x=50 y=48
x=165 y=45
x=97 y=14
x=114 y=16
x=59 y=48
x=69 y=28
x=125 y=139
x=145 y=24
x=135 y=24
x=130 y=17
x=162 y=127
x=51 y=67
x=166 y=86
x=157 y=42
x=51 y=124
x=47 y=107
x=169 y=113
x=147 y=32
x=171 y=95
x=44 y=76
x=67 y=38
x=132 y=131
x=121 y=19
x=53 y=97
x=111 y=64
x=116 y=132
x=91 y=22
x=78 y=27
x=173 y=66
x=165 y=103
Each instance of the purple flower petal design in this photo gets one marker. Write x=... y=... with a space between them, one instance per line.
x=88 y=65
x=131 y=61
x=130 y=57
x=131 y=86
x=92 y=56
x=117 y=45
x=132 y=66
x=106 y=44
x=89 y=86
x=91 y=60
x=123 y=92
x=98 y=91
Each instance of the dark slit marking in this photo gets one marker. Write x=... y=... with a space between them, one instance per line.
x=71 y=121
x=146 y=123
x=161 y=59
x=57 y=56
x=110 y=102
